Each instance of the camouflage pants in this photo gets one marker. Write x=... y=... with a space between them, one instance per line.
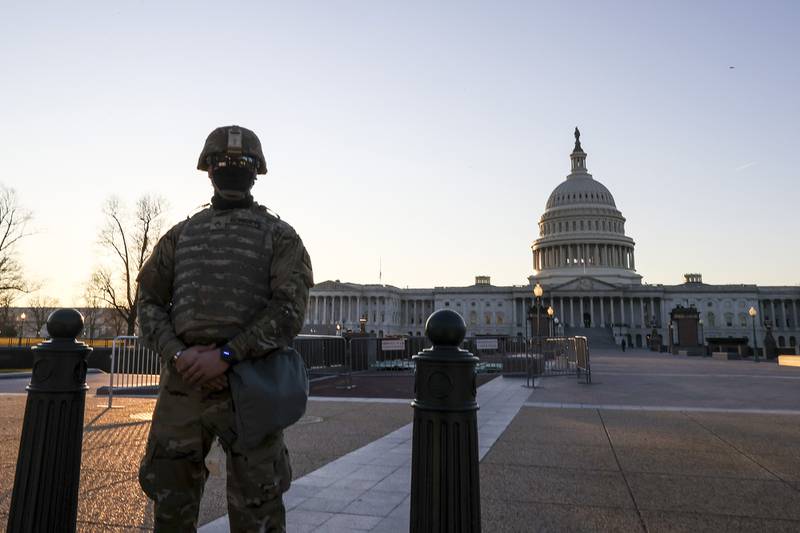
x=173 y=472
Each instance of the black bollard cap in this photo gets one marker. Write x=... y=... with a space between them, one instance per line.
x=445 y=328
x=65 y=324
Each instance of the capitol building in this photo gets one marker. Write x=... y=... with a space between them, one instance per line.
x=586 y=264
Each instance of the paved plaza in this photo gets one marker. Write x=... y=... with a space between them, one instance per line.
x=656 y=443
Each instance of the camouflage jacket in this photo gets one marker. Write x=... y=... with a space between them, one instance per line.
x=255 y=329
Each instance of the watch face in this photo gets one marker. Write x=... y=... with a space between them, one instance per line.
x=227 y=353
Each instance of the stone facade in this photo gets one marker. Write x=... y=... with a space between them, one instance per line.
x=585 y=263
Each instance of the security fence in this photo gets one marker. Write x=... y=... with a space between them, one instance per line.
x=532 y=357
x=582 y=361
x=134 y=367
x=322 y=354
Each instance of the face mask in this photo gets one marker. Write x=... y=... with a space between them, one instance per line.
x=232 y=183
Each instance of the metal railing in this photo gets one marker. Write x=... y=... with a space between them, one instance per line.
x=133 y=366
x=582 y=362
x=321 y=353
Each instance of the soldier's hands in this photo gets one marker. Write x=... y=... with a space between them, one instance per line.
x=189 y=355
x=204 y=366
x=216 y=384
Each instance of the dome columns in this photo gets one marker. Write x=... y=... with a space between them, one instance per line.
x=589 y=255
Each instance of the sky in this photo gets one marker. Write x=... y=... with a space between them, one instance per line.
x=415 y=143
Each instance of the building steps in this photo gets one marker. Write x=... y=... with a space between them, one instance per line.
x=599 y=338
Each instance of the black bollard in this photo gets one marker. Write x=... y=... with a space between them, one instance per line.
x=445 y=488
x=45 y=496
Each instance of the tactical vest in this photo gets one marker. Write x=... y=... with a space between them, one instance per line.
x=222 y=273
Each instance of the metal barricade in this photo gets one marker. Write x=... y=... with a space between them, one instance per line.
x=583 y=363
x=516 y=355
x=133 y=367
x=536 y=357
x=559 y=356
x=322 y=354
x=386 y=354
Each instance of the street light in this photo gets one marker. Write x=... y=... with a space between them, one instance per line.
x=537 y=292
x=338 y=330
x=22 y=318
x=752 y=312
x=555 y=325
x=550 y=313
x=362 y=323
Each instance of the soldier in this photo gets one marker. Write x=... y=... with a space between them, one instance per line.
x=228 y=284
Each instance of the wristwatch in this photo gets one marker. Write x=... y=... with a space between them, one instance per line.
x=227 y=354
x=176 y=356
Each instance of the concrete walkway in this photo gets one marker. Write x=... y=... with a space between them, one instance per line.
x=368 y=489
x=634 y=470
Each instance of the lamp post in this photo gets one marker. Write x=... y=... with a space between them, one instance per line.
x=550 y=313
x=22 y=318
x=362 y=323
x=537 y=293
x=752 y=312
x=556 y=324
x=528 y=349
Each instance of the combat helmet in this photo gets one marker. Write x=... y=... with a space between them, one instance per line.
x=232 y=140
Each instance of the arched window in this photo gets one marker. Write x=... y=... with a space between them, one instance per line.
x=792 y=342
x=742 y=320
x=729 y=319
x=473 y=318
x=711 y=320
x=781 y=341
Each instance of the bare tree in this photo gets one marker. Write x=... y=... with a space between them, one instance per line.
x=14 y=220
x=40 y=308
x=9 y=325
x=128 y=238
x=92 y=311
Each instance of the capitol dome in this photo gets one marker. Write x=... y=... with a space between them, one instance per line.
x=580 y=189
x=582 y=233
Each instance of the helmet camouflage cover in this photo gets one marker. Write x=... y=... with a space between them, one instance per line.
x=232 y=140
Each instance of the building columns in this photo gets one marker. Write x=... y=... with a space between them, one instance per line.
x=630 y=303
x=641 y=304
x=653 y=309
x=602 y=313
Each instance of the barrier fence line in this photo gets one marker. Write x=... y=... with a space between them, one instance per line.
x=133 y=366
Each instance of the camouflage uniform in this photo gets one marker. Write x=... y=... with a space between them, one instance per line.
x=236 y=276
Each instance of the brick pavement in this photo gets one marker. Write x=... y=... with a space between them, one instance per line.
x=658 y=443
x=114 y=439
